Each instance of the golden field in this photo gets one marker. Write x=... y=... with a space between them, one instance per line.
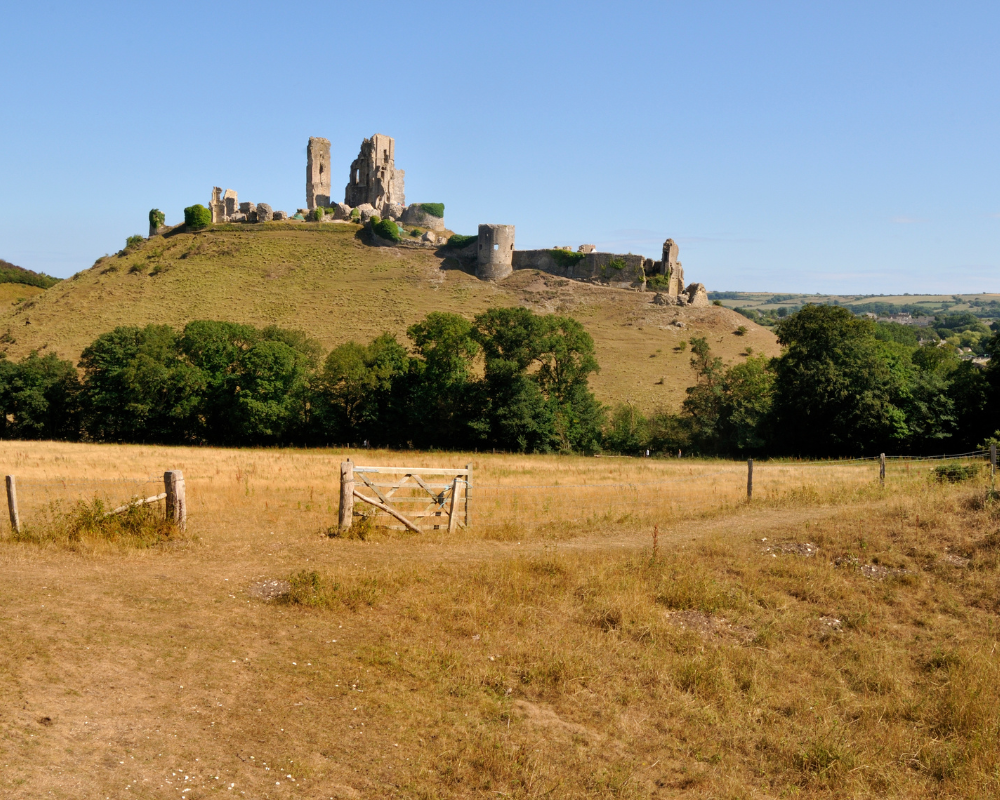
x=548 y=651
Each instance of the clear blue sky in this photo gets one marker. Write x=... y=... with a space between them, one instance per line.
x=787 y=146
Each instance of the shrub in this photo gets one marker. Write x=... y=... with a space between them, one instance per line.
x=355 y=214
x=741 y=331
x=567 y=258
x=614 y=263
x=138 y=526
x=956 y=473
x=385 y=229
x=11 y=273
x=132 y=242
x=415 y=232
x=716 y=302
x=434 y=209
x=317 y=214
x=458 y=241
x=197 y=217
x=658 y=281
x=156 y=218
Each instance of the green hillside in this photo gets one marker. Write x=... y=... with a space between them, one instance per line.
x=322 y=279
x=11 y=273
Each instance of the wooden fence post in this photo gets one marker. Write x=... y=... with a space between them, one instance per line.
x=881 y=469
x=173 y=485
x=453 y=507
x=468 y=495
x=346 y=495
x=749 y=479
x=993 y=466
x=15 y=519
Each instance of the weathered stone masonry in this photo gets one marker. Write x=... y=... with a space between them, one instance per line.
x=318 y=173
x=495 y=252
x=374 y=178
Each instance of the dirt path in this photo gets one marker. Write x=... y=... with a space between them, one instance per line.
x=746 y=523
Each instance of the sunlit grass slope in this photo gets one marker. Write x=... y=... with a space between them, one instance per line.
x=324 y=280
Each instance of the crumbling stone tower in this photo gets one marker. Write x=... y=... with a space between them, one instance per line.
x=374 y=177
x=496 y=252
x=318 y=173
x=671 y=267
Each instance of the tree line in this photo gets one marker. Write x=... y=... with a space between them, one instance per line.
x=508 y=379
x=843 y=386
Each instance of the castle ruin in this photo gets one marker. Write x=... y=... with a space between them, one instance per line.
x=376 y=188
x=317 y=173
x=374 y=178
x=495 y=254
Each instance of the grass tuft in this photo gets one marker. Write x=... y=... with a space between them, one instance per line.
x=139 y=526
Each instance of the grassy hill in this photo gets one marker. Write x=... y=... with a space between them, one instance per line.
x=322 y=279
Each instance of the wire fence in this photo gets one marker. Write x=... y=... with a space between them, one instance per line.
x=646 y=489
x=706 y=489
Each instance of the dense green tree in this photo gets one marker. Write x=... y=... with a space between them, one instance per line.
x=627 y=431
x=834 y=386
x=357 y=391
x=703 y=404
x=566 y=362
x=440 y=382
x=137 y=388
x=256 y=381
x=745 y=409
x=39 y=398
x=535 y=390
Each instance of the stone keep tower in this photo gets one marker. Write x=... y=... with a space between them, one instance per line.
x=318 y=173
x=496 y=252
x=374 y=177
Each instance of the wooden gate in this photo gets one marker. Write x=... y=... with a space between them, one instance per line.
x=415 y=497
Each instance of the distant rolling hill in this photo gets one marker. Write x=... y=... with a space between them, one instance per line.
x=320 y=278
x=11 y=273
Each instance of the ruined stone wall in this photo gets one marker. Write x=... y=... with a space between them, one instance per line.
x=374 y=178
x=592 y=267
x=399 y=187
x=495 y=252
x=317 y=173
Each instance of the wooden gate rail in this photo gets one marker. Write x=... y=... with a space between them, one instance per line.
x=435 y=500
x=173 y=492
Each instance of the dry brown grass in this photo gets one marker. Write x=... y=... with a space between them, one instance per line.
x=549 y=654
x=321 y=279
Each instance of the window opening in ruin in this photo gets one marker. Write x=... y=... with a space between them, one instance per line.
x=496 y=247
x=320 y=169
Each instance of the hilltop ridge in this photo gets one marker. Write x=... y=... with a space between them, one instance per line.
x=321 y=278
